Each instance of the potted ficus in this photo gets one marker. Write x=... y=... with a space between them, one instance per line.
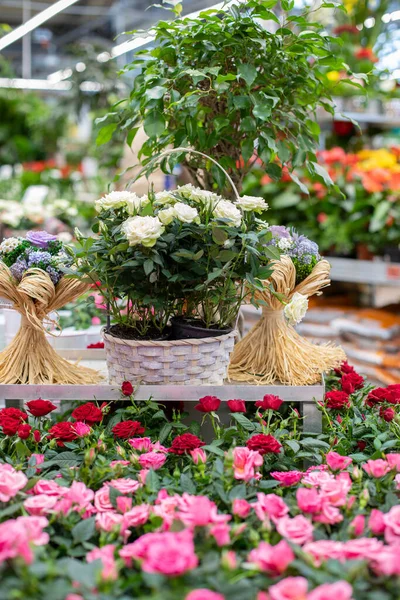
x=186 y=254
x=240 y=84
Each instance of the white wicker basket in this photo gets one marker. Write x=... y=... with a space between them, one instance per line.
x=182 y=362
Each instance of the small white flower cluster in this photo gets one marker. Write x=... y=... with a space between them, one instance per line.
x=9 y=244
x=11 y=213
x=296 y=309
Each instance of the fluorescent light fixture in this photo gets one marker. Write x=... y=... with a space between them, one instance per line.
x=142 y=41
x=36 y=21
x=34 y=84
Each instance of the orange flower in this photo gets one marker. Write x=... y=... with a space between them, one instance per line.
x=366 y=54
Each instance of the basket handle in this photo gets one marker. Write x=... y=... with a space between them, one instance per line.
x=188 y=150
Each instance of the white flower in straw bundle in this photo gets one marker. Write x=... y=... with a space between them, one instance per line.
x=296 y=309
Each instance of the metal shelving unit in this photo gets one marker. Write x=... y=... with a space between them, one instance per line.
x=371 y=272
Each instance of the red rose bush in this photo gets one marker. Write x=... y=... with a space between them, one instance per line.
x=107 y=502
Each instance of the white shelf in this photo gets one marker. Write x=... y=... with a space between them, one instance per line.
x=365 y=271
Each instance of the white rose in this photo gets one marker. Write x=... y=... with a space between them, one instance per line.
x=167 y=215
x=142 y=230
x=164 y=198
x=295 y=310
x=285 y=243
x=227 y=210
x=134 y=203
x=209 y=199
x=185 y=213
x=253 y=203
x=186 y=190
x=114 y=200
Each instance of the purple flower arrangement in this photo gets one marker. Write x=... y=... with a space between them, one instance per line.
x=37 y=250
x=303 y=252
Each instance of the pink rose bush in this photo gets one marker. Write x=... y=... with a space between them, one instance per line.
x=155 y=510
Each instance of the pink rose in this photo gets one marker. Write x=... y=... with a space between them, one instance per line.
x=357 y=525
x=198 y=456
x=376 y=522
x=220 y=532
x=136 y=516
x=297 y=530
x=397 y=481
x=109 y=520
x=204 y=594
x=387 y=561
x=335 y=490
x=393 y=461
x=340 y=590
x=329 y=514
x=362 y=548
x=323 y=550
x=377 y=468
x=291 y=588
x=392 y=523
x=244 y=463
x=287 y=478
x=198 y=511
x=102 y=499
x=317 y=477
x=40 y=505
x=18 y=535
x=81 y=429
x=170 y=554
x=106 y=556
x=125 y=485
x=141 y=444
x=241 y=507
x=11 y=482
x=79 y=494
x=229 y=560
x=49 y=488
x=74 y=597
x=124 y=503
x=336 y=462
x=123 y=463
x=308 y=500
x=270 y=505
x=63 y=506
x=272 y=559
x=142 y=475
x=152 y=460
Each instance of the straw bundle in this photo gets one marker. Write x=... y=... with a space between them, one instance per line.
x=30 y=358
x=273 y=351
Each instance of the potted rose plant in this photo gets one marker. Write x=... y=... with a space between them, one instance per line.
x=182 y=254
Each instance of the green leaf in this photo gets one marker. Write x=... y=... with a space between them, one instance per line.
x=131 y=135
x=187 y=484
x=272 y=252
x=226 y=255
x=314 y=443
x=274 y=171
x=321 y=172
x=164 y=433
x=262 y=111
x=296 y=180
x=63 y=460
x=214 y=449
x=153 y=483
x=239 y=491
x=105 y=134
x=380 y=215
x=243 y=421
x=84 y=530
x=247 y=72
x=156 y=92
x=154 y=124
x=148 y=266
x=295 y=446
x=113 y=495
x=270 y=484
x=219 y=235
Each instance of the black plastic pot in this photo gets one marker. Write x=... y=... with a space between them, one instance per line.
x=126 y=334
x=189 y=329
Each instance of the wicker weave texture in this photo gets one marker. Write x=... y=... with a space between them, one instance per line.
x=183 y=362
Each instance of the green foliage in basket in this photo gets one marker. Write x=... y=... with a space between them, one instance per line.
x=229 y=85
x=187 y=251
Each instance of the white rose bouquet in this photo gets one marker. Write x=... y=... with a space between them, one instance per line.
x=273 y=351
x=186 y=252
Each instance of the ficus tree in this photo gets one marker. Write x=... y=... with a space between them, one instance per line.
x=241 y=84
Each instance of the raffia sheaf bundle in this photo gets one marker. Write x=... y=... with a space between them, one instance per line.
x=273 y=351
x=30 y=358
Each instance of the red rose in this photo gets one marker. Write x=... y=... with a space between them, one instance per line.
x=127 y=388
x=13 y=413
x=337 y=400
x=88 y=413
x=128 y=429
x=237 y=406
x=40 y=408
x=184 y=443
x=351 y=382
x=10 y=426
x=389 y=394
x=37 y=436
x=96 y=345
x=63 y=432
x=344 y=368
x=270 y=402
x=361 y=445
x=388 y=414
x=24 y=431
x=208 y=404
x=264 y=444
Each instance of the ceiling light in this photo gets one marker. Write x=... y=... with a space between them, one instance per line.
x=37 y=20
x=80 y=67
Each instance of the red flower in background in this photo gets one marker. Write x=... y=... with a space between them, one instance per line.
x=208 y=404
x=337 y=400
x=366 y=54
x=36 y=436
x=88 y=413
x=264 y=444
x=237 y=406
x=344 y=368
x=390 y=394
x=343 y=128
x=63 y=432
x=97 y=345
x=127 y=388
x=127 y=429
x=184 y=443
x=24 y=431
x=10 y=426
x=12 y=413
x=388 y=414
x=269 y=402
x=40 y=408
x=351 y=382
